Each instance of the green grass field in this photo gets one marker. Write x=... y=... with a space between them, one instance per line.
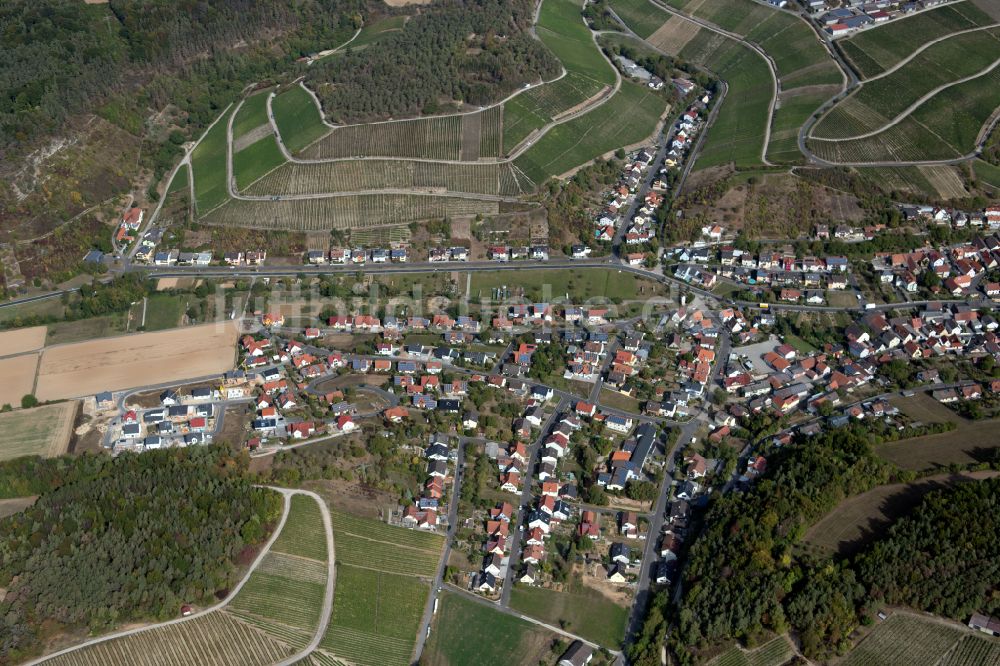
x=598 y=131
x=380 y=590
x=297 y=118
x=256 y=160
x=40 y=431
x=163 y=311
x=252 y=114
x=86 y=329
x=370 y=34
x=987 y=173
x=580 y=284
x=303 y=532
x=587 y=613
x=877 y=49
x=208 y=162
x=180 y=181
x=788 y=118
x=466 y=633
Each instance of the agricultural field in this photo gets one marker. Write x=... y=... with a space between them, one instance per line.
x=945 y=181
x=111 y=364
x=372 y=33
x=163 y=311
x=587 y=74
x=19 y=378
x=738 y=132
x=252 y=114
x=272 y=617
x=467 y=137
x=586 y=612
x=256 y=160
x=794 y=110
x=345 y=212
x=39 y=431
x=859 y=519
x=986 y=173
x=875 y=50
x=466 y=633
x=970 y=442
x=905 y=639
x=900 y=179
x=973 y=651
x=579 y=284
x=775 y=652
x=374 y=544
x=381 y=591
x=798 y=55
x=595 y=133
x=881 y=99
x=22 y=340
x=490 y=178
x=298 y=118
x=208 y=163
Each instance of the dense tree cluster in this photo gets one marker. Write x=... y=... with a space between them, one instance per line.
x=124 y=539
x=474 y=51
x=944 y=557
x=60 y=58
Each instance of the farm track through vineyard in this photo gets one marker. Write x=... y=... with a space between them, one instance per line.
x=274 y=612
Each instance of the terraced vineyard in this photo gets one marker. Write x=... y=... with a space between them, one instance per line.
x=587 y=73
x=298 y=119
x=495 y=179
x=944 y=127
x=877 y=49
x=882 y=99
x=346 y=212
x=273 y=616
x=599 y=131
x=773 y=653
x=904 y=639
x=381 y=591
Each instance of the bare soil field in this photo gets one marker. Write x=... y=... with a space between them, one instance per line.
x=18 y=374
x=86 y=368
x=42 y=431
x=22 y=340
x=859 y=519
x=673 y=35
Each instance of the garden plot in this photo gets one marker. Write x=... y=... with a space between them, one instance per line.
x=292 y=179
x=345 y=212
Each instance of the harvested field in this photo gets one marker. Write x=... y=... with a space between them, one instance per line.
x=86 y=368
x=673 y=35
x=345 y=212
x=858 y=520
x=19 y=378
x=40 y=431
x=945 y=180
x=22 y=340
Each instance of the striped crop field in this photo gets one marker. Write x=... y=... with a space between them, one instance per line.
x=495 y=179
x=345 y=212
x=587 y=73
x=373 y=544
x=944 y=127
x=775 y=652
x=273 y=616
x=795 y=109
x=298 y=118
x=904 y=639
x=882 y=99
x=437 y=137
x=877 y=49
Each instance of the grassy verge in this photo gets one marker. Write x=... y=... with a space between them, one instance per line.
x=587 y=613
